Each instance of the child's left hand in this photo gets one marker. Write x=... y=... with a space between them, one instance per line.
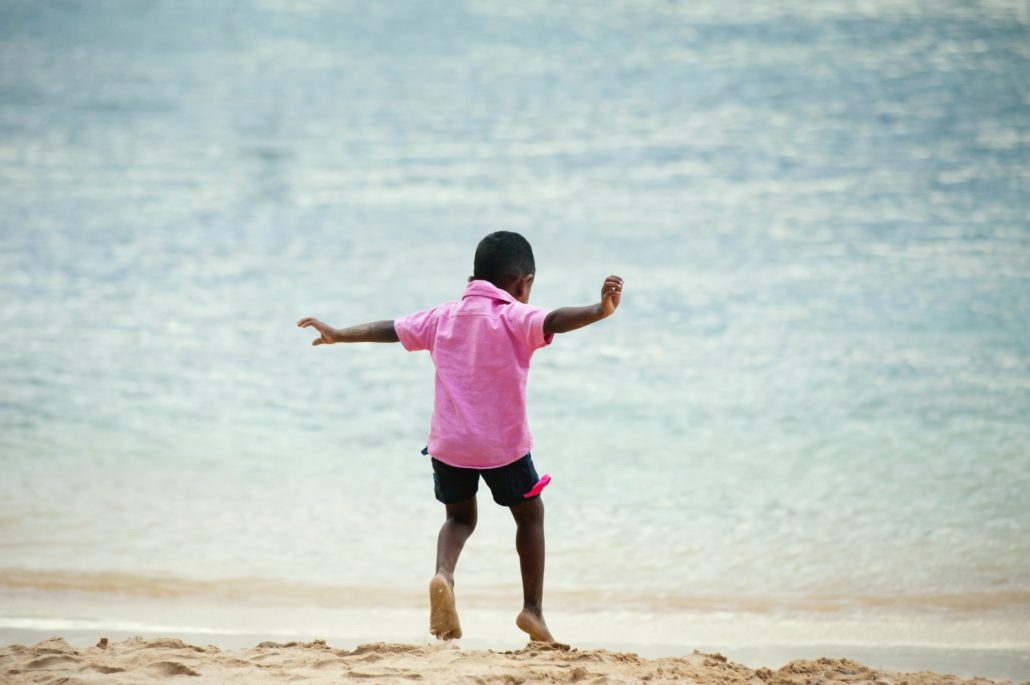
x=611 y=294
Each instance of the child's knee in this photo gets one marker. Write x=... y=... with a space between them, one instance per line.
x=463 y=513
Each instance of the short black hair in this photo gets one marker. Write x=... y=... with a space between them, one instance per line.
x=502 y=258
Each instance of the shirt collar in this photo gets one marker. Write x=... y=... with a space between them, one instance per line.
x=487 y=289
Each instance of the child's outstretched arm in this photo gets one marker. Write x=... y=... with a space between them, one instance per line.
x=376 y=331
x=565 y=319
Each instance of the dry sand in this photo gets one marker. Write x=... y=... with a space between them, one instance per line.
x=137 y=660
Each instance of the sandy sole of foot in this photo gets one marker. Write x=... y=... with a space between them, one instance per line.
x=443 y=614
x=536 y=629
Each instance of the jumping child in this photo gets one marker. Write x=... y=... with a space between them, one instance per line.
x=481 y=346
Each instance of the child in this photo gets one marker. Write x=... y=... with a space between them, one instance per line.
x=481 y=346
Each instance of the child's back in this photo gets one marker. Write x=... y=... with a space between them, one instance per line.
x=481 y=346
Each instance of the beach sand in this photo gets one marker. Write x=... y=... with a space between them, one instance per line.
x=139 y=660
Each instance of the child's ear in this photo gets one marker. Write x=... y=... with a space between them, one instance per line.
x=525 y=284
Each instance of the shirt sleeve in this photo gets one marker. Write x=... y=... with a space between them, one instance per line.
x=417 y=331
x=528 y=325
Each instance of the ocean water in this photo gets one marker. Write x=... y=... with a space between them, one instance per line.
x=812 y=408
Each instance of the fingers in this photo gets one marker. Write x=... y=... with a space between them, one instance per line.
x=318 y=341
x=612 y=286
x=310 y=322
x=611 y=294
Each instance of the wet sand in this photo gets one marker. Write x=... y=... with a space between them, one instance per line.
x=139 y=660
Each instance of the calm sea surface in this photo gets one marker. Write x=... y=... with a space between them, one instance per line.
x=815 y=397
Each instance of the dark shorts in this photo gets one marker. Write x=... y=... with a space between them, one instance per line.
x=508 y=483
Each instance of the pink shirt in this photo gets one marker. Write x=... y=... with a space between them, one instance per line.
x=481 y=346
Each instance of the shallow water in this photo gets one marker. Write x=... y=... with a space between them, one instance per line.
x=815 y=397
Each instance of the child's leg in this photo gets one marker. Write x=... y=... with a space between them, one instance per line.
x=461 y=521
x=529 y=542
x=443 y=614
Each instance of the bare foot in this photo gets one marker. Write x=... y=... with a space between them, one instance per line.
x=534 y=625
x=443 y=615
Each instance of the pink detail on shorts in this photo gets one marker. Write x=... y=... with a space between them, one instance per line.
x=544 y=481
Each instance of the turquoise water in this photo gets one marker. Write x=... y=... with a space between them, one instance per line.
x=815 y=397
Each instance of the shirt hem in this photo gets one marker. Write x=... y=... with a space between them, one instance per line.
x=479 y=467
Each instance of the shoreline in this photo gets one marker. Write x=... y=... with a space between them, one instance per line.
x=992 y=644
x=139 y=659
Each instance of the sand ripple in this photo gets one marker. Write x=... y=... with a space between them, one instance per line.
x=137 y=660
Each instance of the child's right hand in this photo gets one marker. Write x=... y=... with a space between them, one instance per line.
x=326 y=332
x=611 y=294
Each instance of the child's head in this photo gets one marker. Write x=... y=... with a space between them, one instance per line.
x=506 y=260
